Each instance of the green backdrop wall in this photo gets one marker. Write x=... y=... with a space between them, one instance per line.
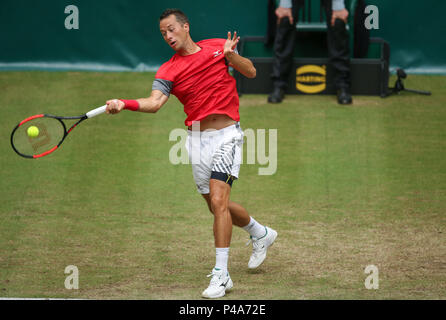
x=118 y=35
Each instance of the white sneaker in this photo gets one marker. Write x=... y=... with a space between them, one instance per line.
x=220 y=283
x=260 y=246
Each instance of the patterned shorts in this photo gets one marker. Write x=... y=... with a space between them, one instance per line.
x=215 y=154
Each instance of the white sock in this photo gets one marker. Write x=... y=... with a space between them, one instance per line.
x=255 y=229
x=221 y=259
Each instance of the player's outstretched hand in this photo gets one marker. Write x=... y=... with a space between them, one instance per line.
x=231 y=43
x=114 y=106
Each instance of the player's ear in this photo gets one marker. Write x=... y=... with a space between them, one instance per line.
x=186 y=27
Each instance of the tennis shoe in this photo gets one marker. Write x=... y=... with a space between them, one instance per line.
x=220 y=283
x=260 y=247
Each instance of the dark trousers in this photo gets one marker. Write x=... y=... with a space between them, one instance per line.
x=337 y=42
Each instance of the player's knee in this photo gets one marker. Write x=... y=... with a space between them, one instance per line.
x=219 y=205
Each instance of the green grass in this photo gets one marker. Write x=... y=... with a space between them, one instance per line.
x=355 y=185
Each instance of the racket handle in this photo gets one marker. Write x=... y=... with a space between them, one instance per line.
x=95 y=112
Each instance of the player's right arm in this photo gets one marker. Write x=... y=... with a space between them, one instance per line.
x=153 y=103
x=149 y=105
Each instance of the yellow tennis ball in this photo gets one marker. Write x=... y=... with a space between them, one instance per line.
x=33 y=131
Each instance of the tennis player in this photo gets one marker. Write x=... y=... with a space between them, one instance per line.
x=197 y=74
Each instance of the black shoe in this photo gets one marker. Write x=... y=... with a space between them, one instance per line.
x=344 y=96
x=276 y=96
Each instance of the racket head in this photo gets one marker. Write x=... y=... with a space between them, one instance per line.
x=52 y=132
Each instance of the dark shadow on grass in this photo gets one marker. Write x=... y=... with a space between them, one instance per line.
x=256 y=271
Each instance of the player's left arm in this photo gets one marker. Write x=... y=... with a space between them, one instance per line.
x=239 y=63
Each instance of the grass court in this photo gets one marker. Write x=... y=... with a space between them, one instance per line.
x=355 y=186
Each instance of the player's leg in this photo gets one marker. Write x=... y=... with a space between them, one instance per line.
x=219 y=201
x=262 y=237
x=202 y=171
x=240 y=217
x=219 y=204
x=226 y=167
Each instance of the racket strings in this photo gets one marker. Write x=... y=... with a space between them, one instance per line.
x=50 y=132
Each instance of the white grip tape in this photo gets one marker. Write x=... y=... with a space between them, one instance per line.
x=95 y=112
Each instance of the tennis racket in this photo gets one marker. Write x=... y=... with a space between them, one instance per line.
x=50 y=133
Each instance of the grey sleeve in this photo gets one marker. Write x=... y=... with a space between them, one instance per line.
x=338 y=5
x=165 y=86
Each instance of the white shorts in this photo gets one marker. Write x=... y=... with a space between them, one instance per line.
x=215 y=153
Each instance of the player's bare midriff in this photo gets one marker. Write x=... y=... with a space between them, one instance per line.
x=215 y=121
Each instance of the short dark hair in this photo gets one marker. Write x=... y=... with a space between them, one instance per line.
x=179 y=15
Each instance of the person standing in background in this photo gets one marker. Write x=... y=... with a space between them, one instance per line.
x=337 y=42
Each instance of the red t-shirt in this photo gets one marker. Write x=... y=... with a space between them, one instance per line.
x=201 y=82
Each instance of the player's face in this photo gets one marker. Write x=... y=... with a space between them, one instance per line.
x=173 y=32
